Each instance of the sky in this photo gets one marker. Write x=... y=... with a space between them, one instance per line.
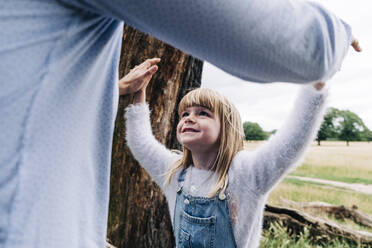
x=350 y=88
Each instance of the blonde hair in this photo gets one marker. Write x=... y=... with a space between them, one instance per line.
x=231 y=134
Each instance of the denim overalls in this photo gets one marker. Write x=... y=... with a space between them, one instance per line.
x=201 y=221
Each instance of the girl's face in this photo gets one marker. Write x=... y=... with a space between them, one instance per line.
x=199 y=129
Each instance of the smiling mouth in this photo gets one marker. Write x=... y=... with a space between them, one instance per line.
x=190 y=130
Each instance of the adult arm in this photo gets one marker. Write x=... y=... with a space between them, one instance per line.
x=284 y=150
x=256 y=40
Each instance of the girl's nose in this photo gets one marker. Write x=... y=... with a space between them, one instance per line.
x=190 y=119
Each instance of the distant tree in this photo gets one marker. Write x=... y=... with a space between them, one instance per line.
x=269 y=133
x=351 y=127
x=368 y=135
x=343 y=125
x=327 y=129
x=253 y=131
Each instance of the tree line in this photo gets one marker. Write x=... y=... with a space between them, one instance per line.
x=343 y=125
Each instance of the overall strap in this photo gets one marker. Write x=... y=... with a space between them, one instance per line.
x=181 y=179
x=182 y=176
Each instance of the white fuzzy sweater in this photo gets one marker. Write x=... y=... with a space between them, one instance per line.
x=252 y=174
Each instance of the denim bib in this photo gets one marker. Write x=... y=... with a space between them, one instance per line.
x=202 y=222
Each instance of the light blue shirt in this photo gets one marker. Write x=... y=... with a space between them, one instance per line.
x=59 y=92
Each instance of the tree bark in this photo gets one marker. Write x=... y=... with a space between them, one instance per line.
x=138 y=212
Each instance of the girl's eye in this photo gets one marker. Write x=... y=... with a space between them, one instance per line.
x=204 y=113
x=184 y=114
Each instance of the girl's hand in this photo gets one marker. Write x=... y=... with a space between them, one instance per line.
x=138 y=77
x=319 y=85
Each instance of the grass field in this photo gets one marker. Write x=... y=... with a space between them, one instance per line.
x=300 y=191
x=338 y=162
x=335 y=161
x=332 y=161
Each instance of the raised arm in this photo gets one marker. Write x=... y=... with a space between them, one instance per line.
x=257 y=40
x=150 y=153
x=284 y=150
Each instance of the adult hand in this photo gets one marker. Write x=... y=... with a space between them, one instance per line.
x=357 y=48
x=138 y=77
x=355 y=44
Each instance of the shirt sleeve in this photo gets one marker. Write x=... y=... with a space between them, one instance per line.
x=256 y=40
x=149 y=152
x=284 y=150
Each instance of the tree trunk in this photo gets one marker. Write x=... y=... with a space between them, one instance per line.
x=138 y=212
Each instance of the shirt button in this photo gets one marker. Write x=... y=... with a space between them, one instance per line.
x=192 y=188
x=186 y=201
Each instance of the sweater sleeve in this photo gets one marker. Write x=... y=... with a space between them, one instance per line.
x=284 y=150
x=151 y=154
x=257 y=40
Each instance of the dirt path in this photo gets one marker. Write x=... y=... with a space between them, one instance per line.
x=361 y=188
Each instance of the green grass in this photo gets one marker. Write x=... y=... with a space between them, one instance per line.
x=300 y=191
x=335 y=173
x=350 y=224
x=277 y=237
x=299 y=182
x=332 y=161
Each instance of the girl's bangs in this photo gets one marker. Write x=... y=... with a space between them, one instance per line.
x=199 y=97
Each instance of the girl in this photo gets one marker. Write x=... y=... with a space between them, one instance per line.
x=216 y=190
